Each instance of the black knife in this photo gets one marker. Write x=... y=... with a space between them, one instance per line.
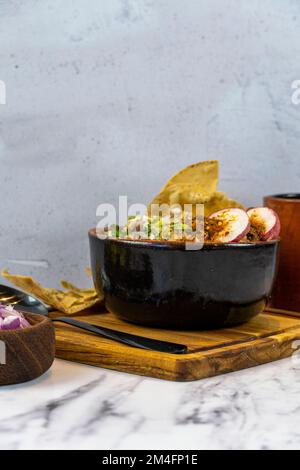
x=127 y=338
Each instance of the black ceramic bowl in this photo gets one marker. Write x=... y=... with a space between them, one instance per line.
x=163 y=285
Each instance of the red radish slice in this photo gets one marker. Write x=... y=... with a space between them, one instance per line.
x=231 y=225
x=266 y=222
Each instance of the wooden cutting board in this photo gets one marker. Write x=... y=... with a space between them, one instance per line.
x=266 y=338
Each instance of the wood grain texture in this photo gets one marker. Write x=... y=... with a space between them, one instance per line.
x=286 y=293
x=28 y=352
x=266 y=338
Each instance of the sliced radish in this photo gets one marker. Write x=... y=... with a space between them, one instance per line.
x=229 y=225
x=266 y=222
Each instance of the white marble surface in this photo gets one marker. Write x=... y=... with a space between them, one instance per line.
x=79 y=407
x=112 y=97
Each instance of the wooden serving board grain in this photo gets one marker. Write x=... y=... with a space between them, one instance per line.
x=268 y=337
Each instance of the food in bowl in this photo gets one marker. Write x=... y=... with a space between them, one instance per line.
x=189 y=208
x=232 y=225
x=11 y=319
x=148 y=276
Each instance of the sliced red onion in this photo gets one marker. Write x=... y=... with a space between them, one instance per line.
x=11 y=319
x=11 y=323
x=7 y=310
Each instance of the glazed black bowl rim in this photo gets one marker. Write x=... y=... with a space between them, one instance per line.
x=287 y=197
x=179 y=245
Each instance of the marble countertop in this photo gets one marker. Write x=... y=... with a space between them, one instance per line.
x=75 y=406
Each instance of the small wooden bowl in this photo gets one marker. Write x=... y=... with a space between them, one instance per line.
x=28 y=353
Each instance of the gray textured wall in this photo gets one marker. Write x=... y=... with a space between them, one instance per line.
x=114 y=96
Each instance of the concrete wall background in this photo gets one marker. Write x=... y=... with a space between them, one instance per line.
x=114 y=96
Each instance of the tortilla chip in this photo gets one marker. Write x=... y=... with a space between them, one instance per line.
x=203 y=175
x=196 y=184
x=71 y=301
x=220 y=201
x=182 y=194
x=198 y=179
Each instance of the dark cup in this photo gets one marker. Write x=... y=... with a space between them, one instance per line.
x=163 y=285
x=286 y=293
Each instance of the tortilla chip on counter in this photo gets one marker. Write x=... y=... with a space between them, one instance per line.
x=71 y=300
